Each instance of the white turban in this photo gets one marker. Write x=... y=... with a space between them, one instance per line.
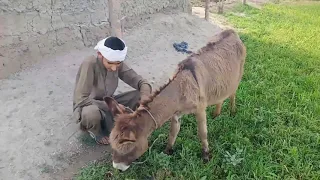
x=110 y=54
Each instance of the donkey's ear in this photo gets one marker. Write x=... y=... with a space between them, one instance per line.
x=113 y=106
x=128 y=137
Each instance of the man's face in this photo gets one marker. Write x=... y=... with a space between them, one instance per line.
x=110 y=66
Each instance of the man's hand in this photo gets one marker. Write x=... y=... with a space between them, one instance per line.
x=145 y=92
x=144 y=98
x=122 y=107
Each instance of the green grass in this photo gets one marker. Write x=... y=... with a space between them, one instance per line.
x=87 y=140
x=275 y=133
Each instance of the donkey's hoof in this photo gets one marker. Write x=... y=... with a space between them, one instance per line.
x=168 y=151
x=215 y=116
x=233 y=113
x=206 y=159
x=205 y=156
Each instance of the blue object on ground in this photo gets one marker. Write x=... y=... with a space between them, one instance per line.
x=182 y=47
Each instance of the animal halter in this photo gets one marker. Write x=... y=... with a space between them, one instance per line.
x=154 y=120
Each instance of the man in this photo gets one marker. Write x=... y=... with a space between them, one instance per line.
x=98 y=77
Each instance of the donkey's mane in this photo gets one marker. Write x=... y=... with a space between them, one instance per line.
x=186 y=64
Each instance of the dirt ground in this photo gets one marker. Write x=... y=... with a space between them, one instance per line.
x=36 y=131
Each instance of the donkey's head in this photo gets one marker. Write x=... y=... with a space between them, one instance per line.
x=128 y=139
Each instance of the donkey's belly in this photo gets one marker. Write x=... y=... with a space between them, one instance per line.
x=218 y=94
x=217 y=100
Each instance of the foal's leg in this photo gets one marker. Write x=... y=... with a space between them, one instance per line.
x=174 y=130
x=233 y=104
x=217 y=112
x=202 y=133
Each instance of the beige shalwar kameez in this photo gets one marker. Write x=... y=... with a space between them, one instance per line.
x=93 y=82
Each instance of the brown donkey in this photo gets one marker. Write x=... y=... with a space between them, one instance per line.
x=205 y=78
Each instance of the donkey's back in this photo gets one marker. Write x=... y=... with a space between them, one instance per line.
x=219 y=67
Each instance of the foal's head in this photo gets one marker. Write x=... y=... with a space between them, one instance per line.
x=128 y=140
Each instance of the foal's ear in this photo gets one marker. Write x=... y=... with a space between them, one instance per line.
x=113 y=106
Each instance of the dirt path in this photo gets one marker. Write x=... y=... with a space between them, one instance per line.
x=36 y=104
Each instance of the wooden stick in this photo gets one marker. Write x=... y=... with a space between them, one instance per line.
x=206 y=13
x=220 y=6
x=114 y=17
x=122 y=21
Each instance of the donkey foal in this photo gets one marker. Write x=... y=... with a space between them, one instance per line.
x=205 y=78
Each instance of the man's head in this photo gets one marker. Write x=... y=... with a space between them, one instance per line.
x=111 y=51
x=109 y=65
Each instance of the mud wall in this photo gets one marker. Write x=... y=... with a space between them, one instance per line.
x=34 y=30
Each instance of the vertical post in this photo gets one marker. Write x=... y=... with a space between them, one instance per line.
x=220 y=6
x=114 y=17
x=206 y=13
x=244 y=2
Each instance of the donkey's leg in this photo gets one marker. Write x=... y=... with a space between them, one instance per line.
x=233 y=104
x=202 y=133
x=174 y=130
x=217 y=112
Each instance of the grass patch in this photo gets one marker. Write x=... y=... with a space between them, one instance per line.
x=87 y=140
x=275 y=133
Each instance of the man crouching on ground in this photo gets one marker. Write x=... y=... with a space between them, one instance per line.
x=98 y=77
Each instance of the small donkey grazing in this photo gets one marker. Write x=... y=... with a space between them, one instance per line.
x=205 y=78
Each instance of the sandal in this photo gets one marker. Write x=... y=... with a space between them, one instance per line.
x=99 y=139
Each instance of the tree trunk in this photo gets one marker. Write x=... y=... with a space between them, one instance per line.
x=244 y=1
x=206 y=13
x=114 y=17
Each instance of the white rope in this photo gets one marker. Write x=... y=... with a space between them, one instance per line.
x=154 y=120
x=149 y=150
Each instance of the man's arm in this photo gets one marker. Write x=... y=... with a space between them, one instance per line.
x=84 y=84
x=129 y=76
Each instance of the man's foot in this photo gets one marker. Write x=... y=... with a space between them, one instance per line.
x=101 y=140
